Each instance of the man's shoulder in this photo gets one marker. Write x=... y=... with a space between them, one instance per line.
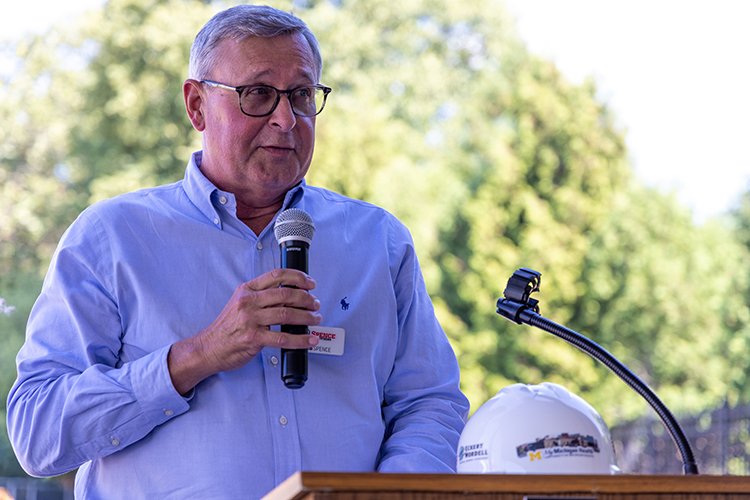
x=149 y=197
x=330 y=206
x=333 y=200
x=132 y=206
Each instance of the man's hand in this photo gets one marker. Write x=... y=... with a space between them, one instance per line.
x=242 y=328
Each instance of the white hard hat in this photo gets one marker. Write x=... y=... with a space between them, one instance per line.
x=536 y=429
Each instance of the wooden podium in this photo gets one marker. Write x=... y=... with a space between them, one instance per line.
x=370 y=486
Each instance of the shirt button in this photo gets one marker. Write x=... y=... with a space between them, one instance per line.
x=283 y=420
x=216 y=220
x=259 y=245
x=169 y=413
x=223 y=200
x=115 y=441
x=274 y=360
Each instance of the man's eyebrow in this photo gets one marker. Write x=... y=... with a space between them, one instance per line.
x=309 y=75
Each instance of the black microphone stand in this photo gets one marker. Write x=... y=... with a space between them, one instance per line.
x=518 y=307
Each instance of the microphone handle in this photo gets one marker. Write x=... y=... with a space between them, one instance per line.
x=294 y=255
x=294 y=361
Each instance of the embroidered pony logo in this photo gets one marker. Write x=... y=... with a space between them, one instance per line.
x=344 y=304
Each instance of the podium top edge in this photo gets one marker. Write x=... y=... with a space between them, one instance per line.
x=302 y=483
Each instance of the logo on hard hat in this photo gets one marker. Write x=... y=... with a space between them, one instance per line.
x=562 y=445
x=472 y=452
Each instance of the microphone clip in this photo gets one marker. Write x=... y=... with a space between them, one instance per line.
x=517 y=294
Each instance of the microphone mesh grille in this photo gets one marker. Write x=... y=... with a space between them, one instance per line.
x=294 y=224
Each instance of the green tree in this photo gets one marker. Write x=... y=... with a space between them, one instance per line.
x=496 y=161
x=736 y=305
x=36 y=104
x=131 y=129
x=544 y=177
x=663 y=295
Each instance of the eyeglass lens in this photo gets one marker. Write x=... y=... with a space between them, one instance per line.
x=261 y=100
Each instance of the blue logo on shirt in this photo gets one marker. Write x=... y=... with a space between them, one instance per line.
x=344 y=304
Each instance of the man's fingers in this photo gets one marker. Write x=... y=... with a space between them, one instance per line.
x=290 y=341
x=287 y=316
x=281 y=277
x=275 y=297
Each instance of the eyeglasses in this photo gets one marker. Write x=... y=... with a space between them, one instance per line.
x=261 y=100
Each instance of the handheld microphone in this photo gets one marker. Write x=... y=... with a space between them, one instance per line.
x=294 y=230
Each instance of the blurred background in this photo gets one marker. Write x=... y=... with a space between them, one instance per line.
x=600 y=143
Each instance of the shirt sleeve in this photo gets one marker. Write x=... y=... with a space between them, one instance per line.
x=424 y=409
x=73 y=400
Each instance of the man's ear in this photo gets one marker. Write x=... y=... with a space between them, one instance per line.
x=191 y=92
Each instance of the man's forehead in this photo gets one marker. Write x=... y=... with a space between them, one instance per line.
x=301 y=72
x=257 y=57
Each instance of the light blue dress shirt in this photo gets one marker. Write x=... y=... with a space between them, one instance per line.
x=136 y=273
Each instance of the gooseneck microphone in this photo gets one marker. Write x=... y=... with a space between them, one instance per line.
x=294 y=230
x=519 y=307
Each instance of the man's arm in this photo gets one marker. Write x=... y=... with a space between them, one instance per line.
x=424 y=409
x=74 y=399
x=70 y=402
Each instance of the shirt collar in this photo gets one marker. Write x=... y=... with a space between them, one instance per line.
x=294 y=196
x=199 y=189
x=204 y=194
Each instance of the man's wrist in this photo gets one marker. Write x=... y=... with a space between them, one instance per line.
x=185 y=365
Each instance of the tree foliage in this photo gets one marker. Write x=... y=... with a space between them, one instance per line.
x=440 y=114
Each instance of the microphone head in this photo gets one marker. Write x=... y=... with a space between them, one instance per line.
x=294 y=224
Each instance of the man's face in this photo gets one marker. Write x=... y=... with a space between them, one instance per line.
x=257 y=158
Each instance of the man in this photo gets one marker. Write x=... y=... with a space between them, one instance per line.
x=152 y=354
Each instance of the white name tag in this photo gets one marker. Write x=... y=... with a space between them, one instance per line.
x=331 y=340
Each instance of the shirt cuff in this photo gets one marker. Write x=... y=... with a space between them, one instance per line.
x=153 y=388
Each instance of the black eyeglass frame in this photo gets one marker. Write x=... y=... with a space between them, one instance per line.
x=326 y=90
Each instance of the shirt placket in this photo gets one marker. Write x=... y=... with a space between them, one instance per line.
x=282 y=413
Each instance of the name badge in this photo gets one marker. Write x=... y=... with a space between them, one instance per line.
x=331 y=340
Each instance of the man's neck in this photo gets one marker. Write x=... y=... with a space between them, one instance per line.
x=257 y=218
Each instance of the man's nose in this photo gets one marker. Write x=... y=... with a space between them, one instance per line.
x=283 y=116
